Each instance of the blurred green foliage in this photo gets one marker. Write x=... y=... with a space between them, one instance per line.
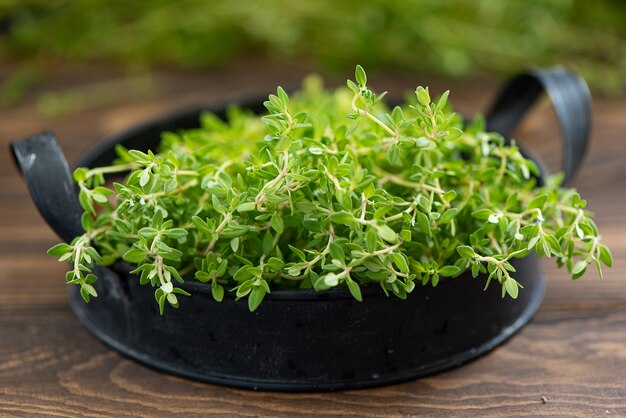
x=450 y=38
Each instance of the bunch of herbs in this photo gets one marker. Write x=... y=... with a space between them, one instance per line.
x=327 y=189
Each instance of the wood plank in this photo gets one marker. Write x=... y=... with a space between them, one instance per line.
x=61 y=369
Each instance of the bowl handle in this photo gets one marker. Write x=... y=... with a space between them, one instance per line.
x=43 y=166
x=571 y=101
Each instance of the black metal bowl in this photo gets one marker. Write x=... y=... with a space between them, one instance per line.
x=298 y=340
x=303 y=340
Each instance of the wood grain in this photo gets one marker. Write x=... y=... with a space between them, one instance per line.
x=570 y=361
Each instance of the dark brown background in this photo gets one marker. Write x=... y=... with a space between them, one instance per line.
x=573 y=354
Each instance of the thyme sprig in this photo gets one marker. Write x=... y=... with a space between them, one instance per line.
x=305 y=197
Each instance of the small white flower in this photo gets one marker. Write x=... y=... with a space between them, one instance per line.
x=494 y=218
x=331 y=279
x=167 y=287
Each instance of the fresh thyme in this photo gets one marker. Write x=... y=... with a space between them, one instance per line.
x=305 y=197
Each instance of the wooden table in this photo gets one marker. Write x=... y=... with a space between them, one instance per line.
x=570 y=361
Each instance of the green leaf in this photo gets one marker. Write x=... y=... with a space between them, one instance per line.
x=148 y=233
x=201 y=225
x=400 y=262
x=86 y=221
x=448 y=215
x=387 y=234
x=422 y=96
x=84 y=293
x=176 y=233
x=352 y=128
x=246 y=207
x=60 y=249
x=144 y=178
x=85 y=202
x=218 y=292
x=80 y=174
x=168 y=252
x=441 y=103
x=180 y=291
x=90 y=289
x=172 y=299
x=134 y=255
x=434 y=280
x=423 y=222
x=466 y=251
x=157 y=219
x=598 y=267
x=453 y=134
x=267 y=244
x=342 y=218
x=449 y=196
x=355 y=290
x=102 y=199
x=161 y=302
x=282 y=95
x=511 y=287
x=371 y=237
x=553 y=243
x=221 y=269
x=103 y=191
x=337 y=252
x=306 y=207
x=538 y=202
x=482 y=213
x=579 y=267
x=277 y=223
x=255 y=298
x=139 y=156
x=242 y=274
x=393 y=154
x=360 y=76
x=203 y=276
x=605 y=255
x=352 y=86
x=533 y=242
x=449 y=271
x=217 y=205
x=275 y=264
x=175 y=274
